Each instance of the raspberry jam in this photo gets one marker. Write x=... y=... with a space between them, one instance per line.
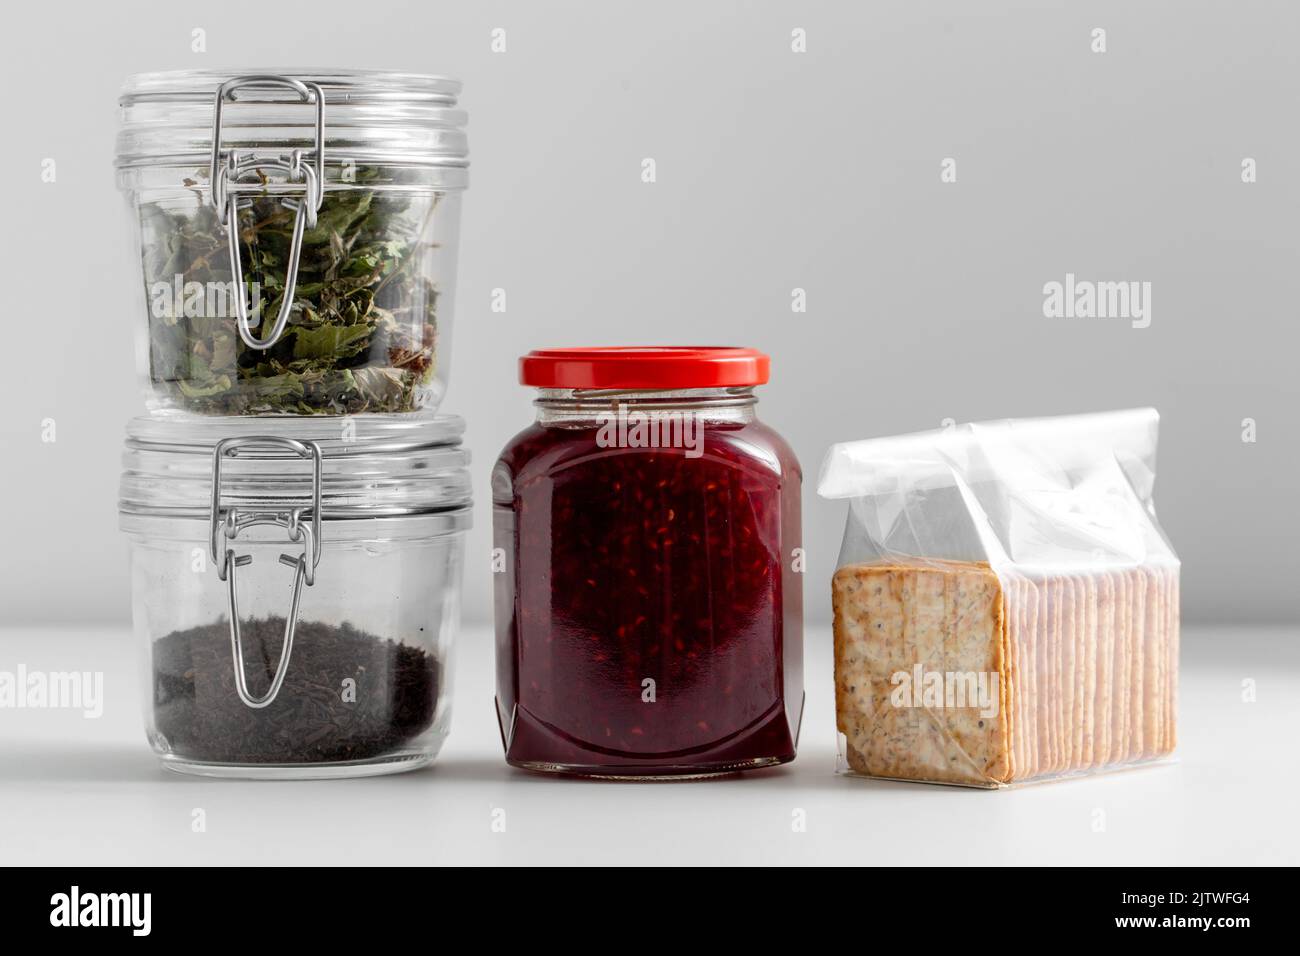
x=649 y=610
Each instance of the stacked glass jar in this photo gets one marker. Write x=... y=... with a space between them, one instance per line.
x=295 y=507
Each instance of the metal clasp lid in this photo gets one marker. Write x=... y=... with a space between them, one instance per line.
x=230 y=181
x=301 y=527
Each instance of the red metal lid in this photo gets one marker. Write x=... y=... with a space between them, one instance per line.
x=655 y=367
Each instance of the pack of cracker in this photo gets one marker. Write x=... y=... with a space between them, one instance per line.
x=1006 y=603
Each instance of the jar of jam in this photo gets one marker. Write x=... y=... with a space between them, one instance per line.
x=649 y=606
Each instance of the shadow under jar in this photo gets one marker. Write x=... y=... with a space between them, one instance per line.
x=649 y=614
x=296 y=604
x=295 y=238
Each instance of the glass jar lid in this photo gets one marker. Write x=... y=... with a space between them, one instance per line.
x=370 y=466
x=365 y=116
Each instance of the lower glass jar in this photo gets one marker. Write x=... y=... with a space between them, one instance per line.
x=649 y=613
x=296 y=626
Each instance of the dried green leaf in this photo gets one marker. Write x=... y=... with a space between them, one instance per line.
x=362 y=330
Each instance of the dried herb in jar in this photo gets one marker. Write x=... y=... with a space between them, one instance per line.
x=360 y=338
x=316 y=717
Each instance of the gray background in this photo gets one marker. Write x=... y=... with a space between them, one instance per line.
x=776 y=170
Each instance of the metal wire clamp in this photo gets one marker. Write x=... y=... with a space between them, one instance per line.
x=240 y=172
x=302 y=526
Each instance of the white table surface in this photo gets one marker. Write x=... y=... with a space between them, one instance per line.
x=76 y=791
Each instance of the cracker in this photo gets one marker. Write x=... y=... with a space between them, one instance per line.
x=1071 y=703
x=1016 y=668
x=1007 y=686
x=945 y=616
x=1102 y=667
x=1029 y=652
x=1093 y=591
x=1060 y=674
x=1032 y=596
x=1121 y=667
x=1075 y=652
x=1086 y=590
x=1172 y=614
x=1158 y=617
x=1150 y=684
x=1139 y=699
x=1051 y=650
x=1010 y=680
x=1048 y=602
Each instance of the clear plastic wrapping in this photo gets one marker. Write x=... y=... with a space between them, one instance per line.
x=1006 y=604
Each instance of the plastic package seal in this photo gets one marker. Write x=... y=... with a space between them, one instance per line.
x=1006 y=603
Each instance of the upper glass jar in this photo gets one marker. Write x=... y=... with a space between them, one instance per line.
x=296 y=595
x=297 y=236
x=649 y=605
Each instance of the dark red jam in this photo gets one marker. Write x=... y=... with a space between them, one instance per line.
x=649 y=613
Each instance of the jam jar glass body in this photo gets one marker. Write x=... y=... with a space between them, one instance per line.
x=649 y=601
x=365 y=684
x=294 y=238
